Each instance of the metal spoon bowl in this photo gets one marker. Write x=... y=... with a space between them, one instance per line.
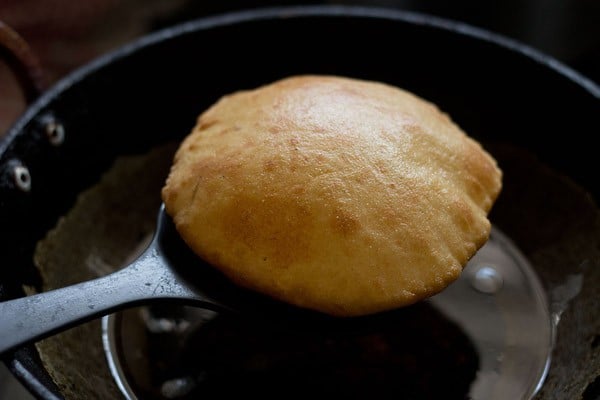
x=164 y=271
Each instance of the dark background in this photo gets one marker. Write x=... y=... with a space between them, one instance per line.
x=66 y=34
x=568 y=30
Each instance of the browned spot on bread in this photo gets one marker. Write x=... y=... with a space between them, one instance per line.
x=344 y=223
x=269 y=166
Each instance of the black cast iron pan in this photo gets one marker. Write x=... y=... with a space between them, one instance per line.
x=151 y=91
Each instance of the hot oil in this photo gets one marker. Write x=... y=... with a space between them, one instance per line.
x=408 y=351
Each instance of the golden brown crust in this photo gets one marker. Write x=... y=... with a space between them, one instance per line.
x=344 y=196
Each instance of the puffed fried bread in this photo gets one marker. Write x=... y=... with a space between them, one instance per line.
x=340 y=195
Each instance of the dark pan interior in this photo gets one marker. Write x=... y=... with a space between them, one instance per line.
x=152 y=91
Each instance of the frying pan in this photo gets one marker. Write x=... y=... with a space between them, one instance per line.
x=150 y=92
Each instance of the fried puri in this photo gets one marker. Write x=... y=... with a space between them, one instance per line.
x=339 y=195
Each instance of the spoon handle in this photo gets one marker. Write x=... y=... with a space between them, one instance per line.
x=34 y=317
